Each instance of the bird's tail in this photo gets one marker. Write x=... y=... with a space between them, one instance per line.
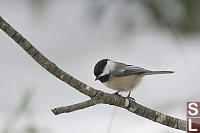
x=159 y=72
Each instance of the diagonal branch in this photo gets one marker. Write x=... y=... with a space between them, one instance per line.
x=44 y=62
x=96 y=96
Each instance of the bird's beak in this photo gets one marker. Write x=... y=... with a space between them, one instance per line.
x=96 y=78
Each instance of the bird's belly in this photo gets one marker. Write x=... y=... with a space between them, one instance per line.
x=126 y=83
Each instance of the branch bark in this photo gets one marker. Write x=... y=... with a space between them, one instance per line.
x=97 y=96
x=78 y=106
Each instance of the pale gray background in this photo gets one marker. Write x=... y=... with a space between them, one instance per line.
x=64 y=34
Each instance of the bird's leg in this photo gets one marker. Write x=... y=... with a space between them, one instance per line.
x=130 y=97
x=117 y=93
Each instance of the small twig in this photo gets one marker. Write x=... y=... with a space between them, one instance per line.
x=74 y=107
x=96 y=96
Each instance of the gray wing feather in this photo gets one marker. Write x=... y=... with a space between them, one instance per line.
x=129 y=70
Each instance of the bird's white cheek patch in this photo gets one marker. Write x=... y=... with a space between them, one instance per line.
x=105 y=71
x=109 y=67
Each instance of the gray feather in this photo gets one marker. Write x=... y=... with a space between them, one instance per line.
x=129 y=70
x=126 y=70
x=159 y=72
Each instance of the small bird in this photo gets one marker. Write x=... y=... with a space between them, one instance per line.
x=121 y=77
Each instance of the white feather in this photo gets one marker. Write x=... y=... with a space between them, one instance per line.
x=109 y=67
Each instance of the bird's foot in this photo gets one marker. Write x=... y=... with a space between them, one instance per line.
x=131 y=98
x=116 y=93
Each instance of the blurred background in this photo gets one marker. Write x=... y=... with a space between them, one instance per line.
x=75 y=34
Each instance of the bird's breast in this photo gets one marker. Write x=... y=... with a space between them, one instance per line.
x=125 y=83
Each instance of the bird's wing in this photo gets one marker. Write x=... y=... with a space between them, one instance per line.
x=129 y=70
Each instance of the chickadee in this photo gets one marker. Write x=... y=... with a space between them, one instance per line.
x=121 y=77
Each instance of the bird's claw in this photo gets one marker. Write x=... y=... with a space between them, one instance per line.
x=131 y=98
x=116 y=93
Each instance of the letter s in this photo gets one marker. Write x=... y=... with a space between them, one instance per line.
x=193 y=109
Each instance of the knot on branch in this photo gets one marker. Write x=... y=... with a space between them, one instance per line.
x=99 y=97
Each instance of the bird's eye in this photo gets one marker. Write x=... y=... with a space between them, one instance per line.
x=104 y=78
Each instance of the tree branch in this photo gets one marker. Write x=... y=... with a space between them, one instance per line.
x=74 y=107
x=96 y=96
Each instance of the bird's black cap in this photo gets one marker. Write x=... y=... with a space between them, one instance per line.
x=99 y=67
